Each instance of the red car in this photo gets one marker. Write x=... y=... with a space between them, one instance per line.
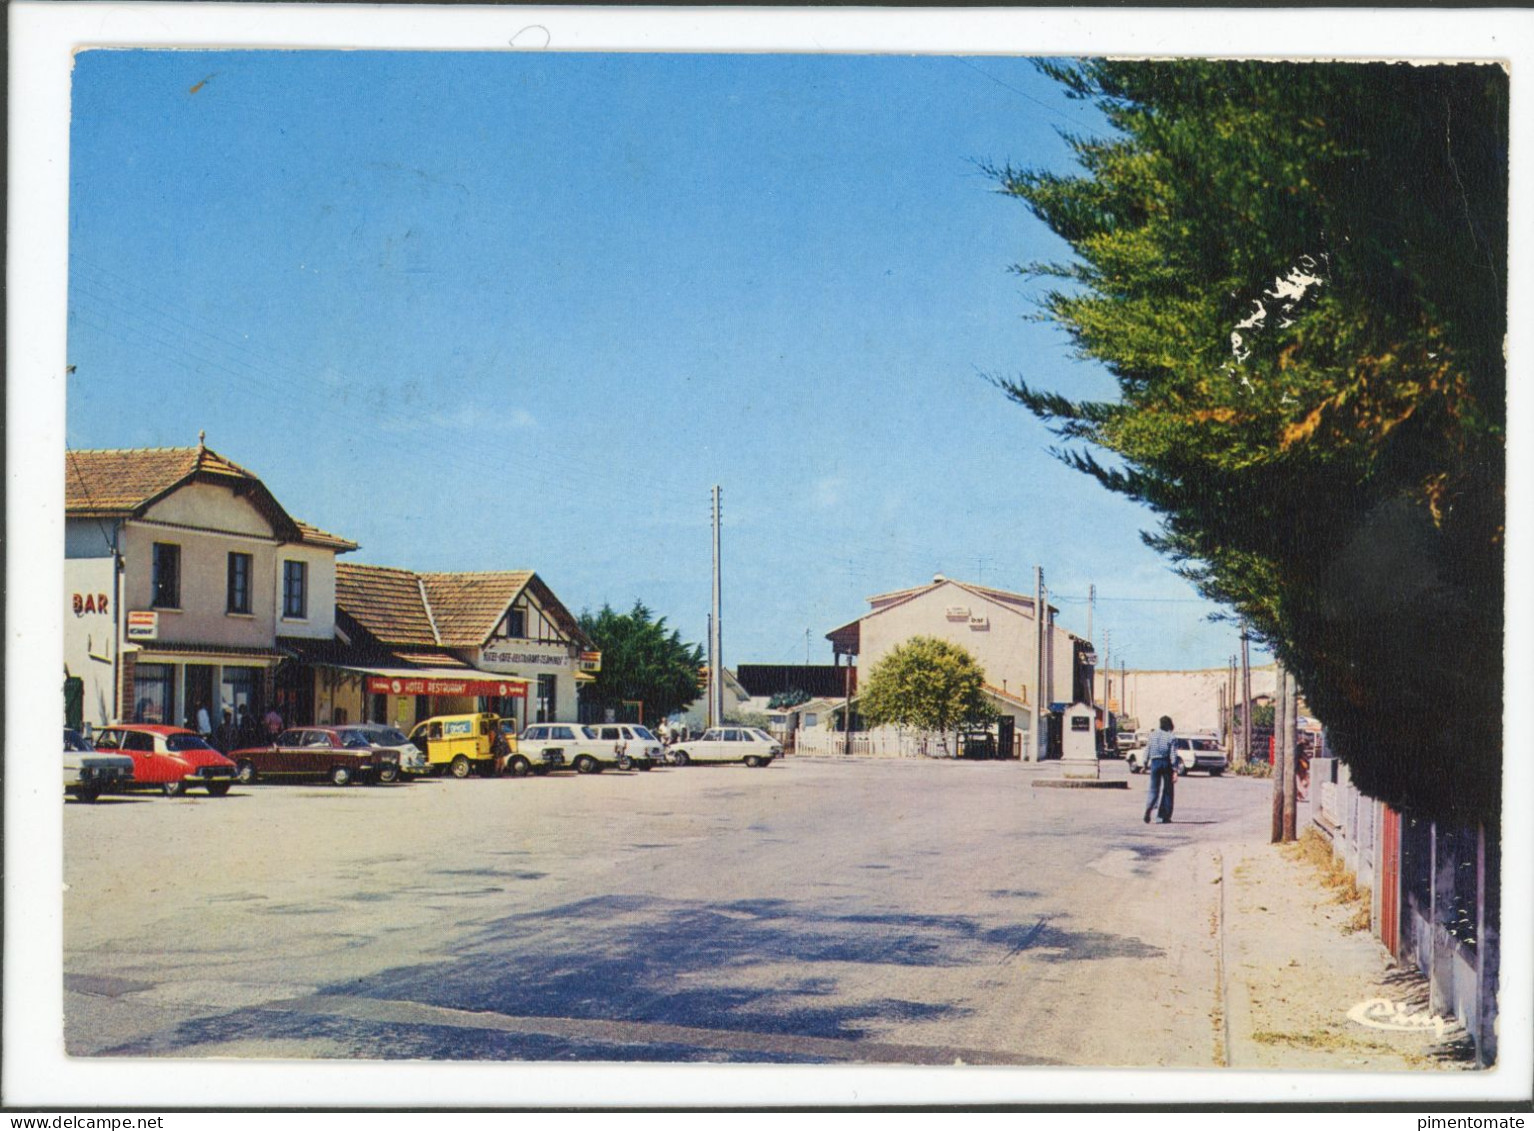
x=169 y=759
x=340 y=754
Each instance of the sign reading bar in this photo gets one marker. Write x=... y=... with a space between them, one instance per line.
x=591 y=661
x=143 y=625
x=404 y=685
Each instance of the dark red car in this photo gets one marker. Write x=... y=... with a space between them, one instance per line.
x=170 y=759
x=339 y=754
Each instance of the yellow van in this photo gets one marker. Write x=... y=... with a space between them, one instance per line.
x=461 y=744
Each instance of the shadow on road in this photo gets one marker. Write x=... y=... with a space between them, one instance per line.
x=750 y=966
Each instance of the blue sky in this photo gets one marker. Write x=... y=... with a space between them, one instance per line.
x=494 y=311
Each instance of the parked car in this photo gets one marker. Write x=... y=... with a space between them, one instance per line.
x=1194 y=752
x=340 y=754
x=729 y=744
x=1126 y=736
x=577 y=745
x=638 y=748
x=88 y=773
x=170 y=759
x=409 y=759
x=463 y=744
x=1201 y=752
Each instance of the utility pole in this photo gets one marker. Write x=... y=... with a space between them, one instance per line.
x=1229 y=720
x=1123 y=685
x=1092 y=683
x=1291 y=760
x=1246 y=697
x=1280 y=720
x=1108 y=668
x=1049 y=651
x=715 y=635
x=1038 y=662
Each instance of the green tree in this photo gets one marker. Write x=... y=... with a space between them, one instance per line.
x=641 y=661
x=783 y=700
x=1297 y=275
x=925 y=684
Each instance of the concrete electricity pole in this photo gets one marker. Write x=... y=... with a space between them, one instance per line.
x=1280 y=720
x=1246 y=698
x=1291 y=761
x=1092 y=644
x=715 y=636
x=1038 y=662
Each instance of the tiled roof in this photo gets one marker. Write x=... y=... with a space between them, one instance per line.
x=314 y=536
x=387 y=602
x=119 y=482
x=467 y=606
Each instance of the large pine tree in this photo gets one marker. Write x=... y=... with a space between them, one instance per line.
x=1297 y=275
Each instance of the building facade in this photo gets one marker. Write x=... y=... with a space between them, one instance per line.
x=996 y=627
x=412 y=645
x=181 y=572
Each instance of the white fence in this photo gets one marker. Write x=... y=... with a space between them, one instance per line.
x=883 y=742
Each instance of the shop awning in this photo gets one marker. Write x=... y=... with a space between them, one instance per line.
x=439 y=681
x=177 y=652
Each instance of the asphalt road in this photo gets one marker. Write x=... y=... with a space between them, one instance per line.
x=906 y=912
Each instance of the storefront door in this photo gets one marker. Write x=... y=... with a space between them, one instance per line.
x=199 y=693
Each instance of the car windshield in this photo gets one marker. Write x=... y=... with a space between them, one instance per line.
x=589 y=732
x=74 y=740
x=354 y=738
x=644 y=733
x=178 y=742
x=1205 y=744
x=388 y=736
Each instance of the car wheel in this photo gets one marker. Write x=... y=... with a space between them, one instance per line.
x=87 y=795
x=520 y=767
x=680 y=758
x=246 y=773
x=218 y=788
x=340 y=775
x=1215 y=773
x=388 y=773
x=753 y=761
x=173 y=788
x=586 y=764
x=459 y=767
x=625 y=762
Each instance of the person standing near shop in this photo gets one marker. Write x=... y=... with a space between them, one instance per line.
x=1161 y=762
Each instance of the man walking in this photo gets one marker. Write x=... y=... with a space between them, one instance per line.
x=1161 y=761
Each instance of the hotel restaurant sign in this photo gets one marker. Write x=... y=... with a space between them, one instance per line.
x=422 y=685
x=522 y=655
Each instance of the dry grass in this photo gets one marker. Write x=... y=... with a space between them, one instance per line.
x=1253 y=770
x=1315 y=850
x=1341 y=1042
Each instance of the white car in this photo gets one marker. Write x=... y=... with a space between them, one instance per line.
x=729 y=744
x=589 y=748
x=1194 y=752
x=412 y=759
x=638 y=748
x=88 y=773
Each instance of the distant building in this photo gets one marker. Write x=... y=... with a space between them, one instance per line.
x=182 y=574
x=996 y=627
